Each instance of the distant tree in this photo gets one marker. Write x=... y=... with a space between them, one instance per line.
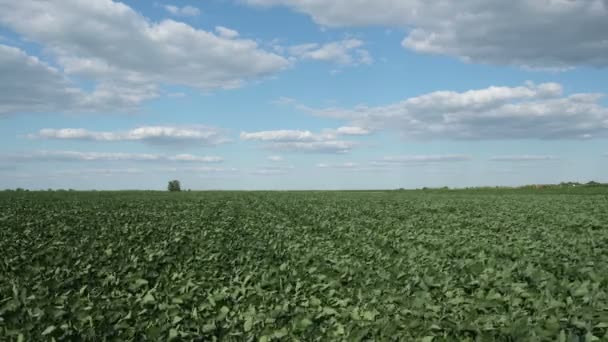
x=593 y=183
x=174 y=186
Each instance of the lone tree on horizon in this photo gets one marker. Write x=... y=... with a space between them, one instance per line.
x=174 y=186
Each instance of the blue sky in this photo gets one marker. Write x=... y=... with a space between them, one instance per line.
x=302 y=94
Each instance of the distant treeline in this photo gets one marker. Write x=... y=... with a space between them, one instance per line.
x=528 y=186
x=561 y=185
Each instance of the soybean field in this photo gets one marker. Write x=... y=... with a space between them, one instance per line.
x=465 y=265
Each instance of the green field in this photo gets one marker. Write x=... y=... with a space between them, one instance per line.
x=470 y=265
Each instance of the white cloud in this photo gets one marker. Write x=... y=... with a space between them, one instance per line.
x=75 y=156
x=421 y=159
x=300 y=141
x=316 y=146
x=186 y=11
x=272 y=170
x=226 y=32
x=98 y=172
x=530 y=111
x=344 y=52
x=275 y=158
x=348 y=165
x=31 y=85
x=125 y=55
x=192 y=158
x=283 y=101
x=135 y=171
x=555 y=33
x=176 y=95
x=152 y=134
x=352 y=130
x=523 y=158
x=201 y=169
x=282 y=136
x=304 y=136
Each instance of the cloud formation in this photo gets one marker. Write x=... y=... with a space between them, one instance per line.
x=31 y=85
x=301 y=141
x=186 y=11
x=98 y=172
x=275 y=158
x=421 y=159
x=347 y=165
x=127 y=56
x=531 y=111
x=344 y=52
x=75 y=156
x=542 y=34
x=523 y=158
x=151 y=134
x=272 y=170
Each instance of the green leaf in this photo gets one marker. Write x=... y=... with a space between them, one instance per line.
x=173 y=334
x=209 y=327
x=589 y=337
x=48 y=330
x=428 y=339
x=581 y=291
x=369 y=315
x=176 y=320
x=248 y=325
x=329 y=311
x=148 y=299
x=141 y=282
x=305 y=323
x=280 y=333
x=314 y=301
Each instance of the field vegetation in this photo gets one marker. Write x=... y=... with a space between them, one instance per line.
x=435 y=265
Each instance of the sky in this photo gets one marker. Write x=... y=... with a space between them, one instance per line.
x=302 y=94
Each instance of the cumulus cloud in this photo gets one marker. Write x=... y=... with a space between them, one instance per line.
x=126 y=56
x=226 y=32
x=344 y=52
x=300 y=141
x=186 y=11
x=31 y=85
x=523 y=158
x=352 y=130
x=76 y=156
x=557 y=33
x=531 y=111
x=152 y=134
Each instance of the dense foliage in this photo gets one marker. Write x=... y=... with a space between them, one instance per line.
x=401 y=265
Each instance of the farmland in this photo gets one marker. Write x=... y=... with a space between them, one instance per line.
x=478 y=265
